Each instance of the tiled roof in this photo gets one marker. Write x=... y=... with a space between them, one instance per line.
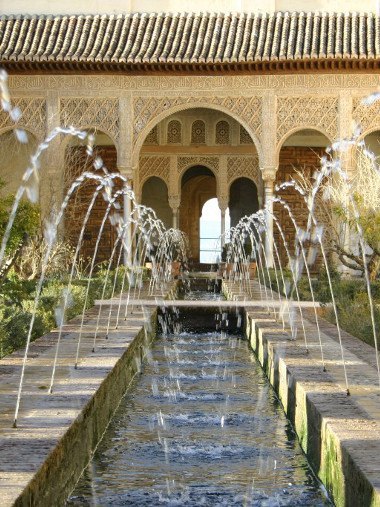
x=281 y=40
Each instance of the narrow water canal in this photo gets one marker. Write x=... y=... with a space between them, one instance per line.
x=201 y=426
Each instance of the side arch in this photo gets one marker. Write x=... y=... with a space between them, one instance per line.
x=295 y=130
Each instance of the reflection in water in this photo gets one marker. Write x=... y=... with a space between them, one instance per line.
x=201 y=426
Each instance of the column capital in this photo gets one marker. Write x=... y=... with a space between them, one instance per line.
x=269 y=173
x=126 y=171
x=174 y=202
x=223 y=202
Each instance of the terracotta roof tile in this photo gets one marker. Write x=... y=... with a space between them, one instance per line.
x=216 y=38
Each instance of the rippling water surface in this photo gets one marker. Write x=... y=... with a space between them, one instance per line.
x=201 y=426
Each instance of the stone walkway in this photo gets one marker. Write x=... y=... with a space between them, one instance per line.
x=44 y=418
x=354 y=420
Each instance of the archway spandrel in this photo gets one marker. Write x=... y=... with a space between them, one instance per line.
x=100 y=113
x=154 y=166
x=33 y=116
x=320 y=113
x=186 y=162
x=367 y=116
x=238 y=167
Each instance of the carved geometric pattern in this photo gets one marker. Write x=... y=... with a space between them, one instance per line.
x=33 y=116
x=154 y=166
x=247 y=166
x=102 y=114
x=174 y=132
x=245 y=138
x=198 y=132
x=152 y=137
x=222 y=132
x=307 y=112
x=366 y=116
x=246 y=108
x=197 y=160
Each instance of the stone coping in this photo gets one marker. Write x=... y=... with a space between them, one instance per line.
x=42 y=459
x=340 y=434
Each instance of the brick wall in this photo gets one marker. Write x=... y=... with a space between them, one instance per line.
x=76 y=162
x=292 y=159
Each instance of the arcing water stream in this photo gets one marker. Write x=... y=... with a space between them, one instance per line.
x=201 y=426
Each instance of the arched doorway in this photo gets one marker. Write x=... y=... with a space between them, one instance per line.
x=198 y=185
x=300 y=156
x=155 y=195
x=76 y=162
x=210 y=242
x=243 y=199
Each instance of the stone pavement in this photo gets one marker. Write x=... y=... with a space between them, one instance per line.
x=339 y=433
x=45 y=420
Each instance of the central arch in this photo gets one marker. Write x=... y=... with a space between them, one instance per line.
x=198 y=185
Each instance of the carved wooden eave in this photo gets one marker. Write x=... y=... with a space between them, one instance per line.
x=284 y=67
x=197 y=44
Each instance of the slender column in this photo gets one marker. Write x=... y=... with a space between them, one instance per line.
x=223 y=205
x=52 y=180
x=127 y=213
x=347 y=157
x=269 y=175
x=174 y=203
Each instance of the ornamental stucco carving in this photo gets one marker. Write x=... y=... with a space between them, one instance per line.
x=367 y=116
x=316 y=83
x=185 y=162
x=243 y=167
x=247 y=109
x=99 y=113
x=307 y=112
x=154 y=166
x=33 y=116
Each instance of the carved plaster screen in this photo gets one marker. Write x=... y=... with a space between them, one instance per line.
x=152 y=137
x=174 y=132
x=198 y=132
x=245 y=138
x=222 y=132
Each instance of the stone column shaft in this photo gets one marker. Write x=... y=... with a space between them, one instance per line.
x=269 y=175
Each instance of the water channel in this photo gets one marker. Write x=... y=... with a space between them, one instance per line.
x=200 y=426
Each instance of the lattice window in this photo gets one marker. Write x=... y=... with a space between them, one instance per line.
x=152 y=137
x=222 y=132
x=245 y=138
x=198 y=132
x=174 y=132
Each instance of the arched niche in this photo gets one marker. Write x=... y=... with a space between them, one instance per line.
x=155 y=195
x=76 y=162
x=299 y=157
x=14 y=160
x=372 y=142
x=198 y=185
x=210 y=247
x=243 y=199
